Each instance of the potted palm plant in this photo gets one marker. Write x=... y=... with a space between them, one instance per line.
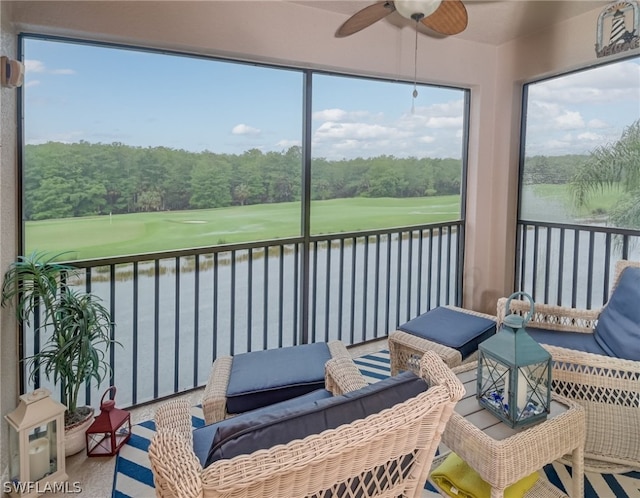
x=74 y=326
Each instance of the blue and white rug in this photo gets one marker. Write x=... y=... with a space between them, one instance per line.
x=133 y=476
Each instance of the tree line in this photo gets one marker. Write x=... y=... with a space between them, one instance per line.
x=551 y=170
x=85 y=179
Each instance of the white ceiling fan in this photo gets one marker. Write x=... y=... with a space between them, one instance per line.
x=447 y=17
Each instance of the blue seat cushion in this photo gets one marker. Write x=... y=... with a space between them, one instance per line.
x=569 y=340
x=455 y=329
x=618 y=328
x=203 y=436
x=262 y=378
x=250 y=432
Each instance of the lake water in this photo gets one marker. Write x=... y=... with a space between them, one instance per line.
x=172 y=327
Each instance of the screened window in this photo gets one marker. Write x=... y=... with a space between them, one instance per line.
x=132 y=151
x=582 y=147
x=183 y=152
x=384 y=159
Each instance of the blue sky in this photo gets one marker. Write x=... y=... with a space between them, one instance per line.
x=76 y=92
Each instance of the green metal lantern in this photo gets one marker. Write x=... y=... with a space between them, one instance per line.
x=514 y=372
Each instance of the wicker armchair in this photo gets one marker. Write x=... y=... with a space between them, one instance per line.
x=387 y=454
x=607 y=387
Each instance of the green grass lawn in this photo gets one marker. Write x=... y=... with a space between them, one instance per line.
x=598 y=204
x=137 y=233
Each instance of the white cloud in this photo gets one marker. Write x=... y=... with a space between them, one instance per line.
x=597 y=123
x=569 y=120
x=453 y=107
x=243 y=129
x=448 y=115
x=341 y=115
x=356 y=131
x=348 y=145
x=607 y=83
x=36 y=66
x=589 y=137
x=596 y=104
x=445 y=122
x=33 y=66
x=427 y=139
x=330 y=115
x=31 y=83
x=539 y=108
x=342 y=133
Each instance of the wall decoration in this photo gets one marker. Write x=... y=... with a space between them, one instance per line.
x=621 y=21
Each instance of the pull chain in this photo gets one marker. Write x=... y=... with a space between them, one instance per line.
x=415 y=72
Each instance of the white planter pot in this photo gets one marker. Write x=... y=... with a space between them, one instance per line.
x=74 y=436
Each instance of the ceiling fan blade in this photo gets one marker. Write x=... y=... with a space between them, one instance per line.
x=365 y=17
x=448 y=19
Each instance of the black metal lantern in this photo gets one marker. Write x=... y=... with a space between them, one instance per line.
x=514 y=372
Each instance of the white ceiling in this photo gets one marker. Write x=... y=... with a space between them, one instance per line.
x=490 y=21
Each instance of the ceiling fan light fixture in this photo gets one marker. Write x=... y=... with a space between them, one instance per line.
x=416 y=9
x=447 y=17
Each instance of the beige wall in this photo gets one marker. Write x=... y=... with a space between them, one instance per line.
x=289 y=34
x=8 y=232
x=492 y=206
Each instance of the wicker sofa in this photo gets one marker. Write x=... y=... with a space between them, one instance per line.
x=386 y=454
x=608 y=387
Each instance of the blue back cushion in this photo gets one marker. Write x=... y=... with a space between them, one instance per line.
x=265 y=430
x=618 y=328
x=202 y=436
x=455 y=329
x=569 y=340
x=262 y=378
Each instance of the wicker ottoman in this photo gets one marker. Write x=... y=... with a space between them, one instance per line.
x=253 y=380
x=452 y=332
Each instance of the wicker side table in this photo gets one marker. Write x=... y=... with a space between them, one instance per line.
x=503 y=456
